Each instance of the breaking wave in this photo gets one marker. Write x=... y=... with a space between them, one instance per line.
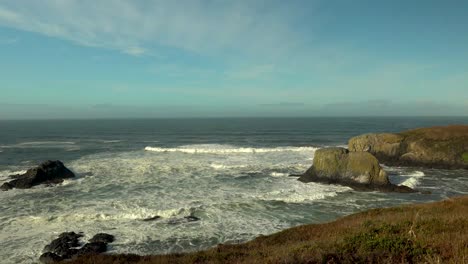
x=411 y=180
x=224 y=149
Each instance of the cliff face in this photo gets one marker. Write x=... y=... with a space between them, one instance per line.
x=434 y=147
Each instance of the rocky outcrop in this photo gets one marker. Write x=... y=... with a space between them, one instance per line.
x=49 y=172
x=359 y=170
x=435 y=147
x=66 y=247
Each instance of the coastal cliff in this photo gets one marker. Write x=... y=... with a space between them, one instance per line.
x=443 y=147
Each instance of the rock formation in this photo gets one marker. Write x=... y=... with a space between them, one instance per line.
x=49 y=172
x=359 y=170
x=435 y=147
x=66 y=247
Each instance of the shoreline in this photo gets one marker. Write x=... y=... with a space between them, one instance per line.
x=429 y=232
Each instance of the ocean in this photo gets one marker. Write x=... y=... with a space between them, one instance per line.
x=232 y=174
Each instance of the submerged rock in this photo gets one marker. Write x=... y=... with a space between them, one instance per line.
x=191 y=218
x=153 y=218
x=435 y=147
x=49 y=172
x=359 y=170
x=186 y=219
x=102 y=237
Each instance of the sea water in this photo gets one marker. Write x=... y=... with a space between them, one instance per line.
x=232 y=174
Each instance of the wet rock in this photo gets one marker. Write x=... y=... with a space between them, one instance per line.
x=63 y=245
x=92 y=248
x=185 y=219
x=102 y=237
x=49 y=258
x=49 y=172
x=153 y=218
x=191 y=218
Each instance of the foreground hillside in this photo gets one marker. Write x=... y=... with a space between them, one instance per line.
x=422 y=233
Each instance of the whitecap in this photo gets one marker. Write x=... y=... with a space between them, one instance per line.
x=41 y=144
x=111 y=141
x=279 y=174
x=4 y=175
x=293 y=191
x=33 y=143
x=224 y=149
x=411 y=180
x=224 y=167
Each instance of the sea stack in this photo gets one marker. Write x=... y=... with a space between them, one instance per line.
x=359 y=170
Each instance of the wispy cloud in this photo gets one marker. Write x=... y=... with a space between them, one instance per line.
x=134 y=27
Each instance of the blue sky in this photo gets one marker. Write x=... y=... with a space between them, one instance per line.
x=194 y=58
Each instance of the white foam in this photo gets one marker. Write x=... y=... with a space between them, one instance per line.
x=224 y=167
x=111 y=141
x=298 y=192
x=411 y=180
x=127 y=187
x=224 y=149
x=279 y=174
x=4 y=175
x=33 y=143
x=42 y=144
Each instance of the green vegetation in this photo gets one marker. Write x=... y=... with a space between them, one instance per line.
x=465 y=157
x=424 y=233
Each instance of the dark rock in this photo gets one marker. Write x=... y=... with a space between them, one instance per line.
x=49 y=258
x=49 y=172
x=92 y=248
x=102 y=237
x=156 y=217
x=63 y=245
x=358 y=170
x=186 y=219
x=6 y=186
x=443 y=147
x=191 y=218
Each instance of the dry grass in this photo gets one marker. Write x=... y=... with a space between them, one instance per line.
x=439 y=132
x=424 y=233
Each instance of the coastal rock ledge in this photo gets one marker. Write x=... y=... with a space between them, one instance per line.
x=358 y=170
x=444 y=147
x=49 y=172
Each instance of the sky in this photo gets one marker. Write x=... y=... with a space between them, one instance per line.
x=243 y=58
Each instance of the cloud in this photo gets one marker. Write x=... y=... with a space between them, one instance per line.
x=135 y=51
x=133 y=27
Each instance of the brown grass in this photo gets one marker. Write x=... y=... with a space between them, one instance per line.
x=439 y=132
x=423 y=233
